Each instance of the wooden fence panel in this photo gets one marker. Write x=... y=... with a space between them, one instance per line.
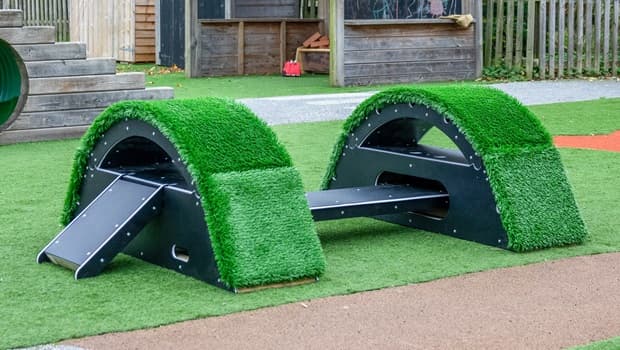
x=562 y=37
x=43 y=13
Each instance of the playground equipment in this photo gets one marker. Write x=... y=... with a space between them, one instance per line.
x=50 y=90
x=203 y=187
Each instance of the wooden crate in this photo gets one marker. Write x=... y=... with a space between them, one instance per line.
x=123 y=29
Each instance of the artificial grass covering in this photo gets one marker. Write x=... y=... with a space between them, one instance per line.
x=224 y=145
x=42 y=303
x=264 y=213
x=534 y=199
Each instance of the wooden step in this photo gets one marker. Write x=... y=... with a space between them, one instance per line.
x=31 y=135
x=35 y=120
x=48 y=52
x=11 y=18
x=65 y=68
x=90 y=100
x=28 y=35
x=87 y=83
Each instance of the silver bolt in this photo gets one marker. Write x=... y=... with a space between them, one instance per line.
x=154 y=208
x=128 y=234
x=342 y=212
x=411 y=165
x=102 y=260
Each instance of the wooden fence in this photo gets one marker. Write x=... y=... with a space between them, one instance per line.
x=553 y=38
x=310 y=8
x=43 y=13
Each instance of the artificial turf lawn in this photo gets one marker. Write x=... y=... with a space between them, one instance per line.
x=42 y=303
x=533 y=197
x=226 y=148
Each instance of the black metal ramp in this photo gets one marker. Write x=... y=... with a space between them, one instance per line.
x=373 y=201
x=105 y=227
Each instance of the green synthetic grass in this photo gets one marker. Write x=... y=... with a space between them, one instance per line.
x=220 y=141
x=534 y=199
x=573 y=121
x=608 y=344
x=42 y=303
x=270 y=233
x=242 y=86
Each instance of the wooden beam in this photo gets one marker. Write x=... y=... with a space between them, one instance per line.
x=192 y=39
x=241 y=48
x=478 y=16
x=336 y=30
x=282 y=43
x=323 y=13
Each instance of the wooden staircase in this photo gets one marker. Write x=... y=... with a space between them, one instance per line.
x=64 y=89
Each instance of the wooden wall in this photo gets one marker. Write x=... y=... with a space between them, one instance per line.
x=377 y=52
x=145 y=31
x=233 y=47
x=123 y=29
x=265 y=8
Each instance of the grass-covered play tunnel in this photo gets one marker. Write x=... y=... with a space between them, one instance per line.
x=11 y=83
x=206 y=184
x=505 y=179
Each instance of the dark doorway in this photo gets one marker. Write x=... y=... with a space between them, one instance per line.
x=172 y=27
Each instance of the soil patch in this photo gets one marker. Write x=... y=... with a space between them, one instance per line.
x=549 y=305
x=610 y=142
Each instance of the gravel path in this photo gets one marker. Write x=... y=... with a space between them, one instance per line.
x=551 y=305
x=312 y=108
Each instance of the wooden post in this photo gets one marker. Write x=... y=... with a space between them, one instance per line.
x=606 y=37
x=336 y=54
x=561 y=31
x=157 y=31
x=579 y=37
x=597 y=36
x=282 y=43
x=571 y=37
x=488 y=42
x=323 y=13
x=192 y=42
x=588 y=38
x=519 y=34
x=542 y=40
x=509 y=32
x=499 y=33
x=614 y=38
x=531 y=24
x=551 y=31
x=241 y=48
x=479 y=17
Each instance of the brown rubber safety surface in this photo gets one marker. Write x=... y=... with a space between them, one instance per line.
x=609 y=142
x=549 y=305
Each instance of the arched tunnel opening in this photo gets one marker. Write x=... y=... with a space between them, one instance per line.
x=13 y=84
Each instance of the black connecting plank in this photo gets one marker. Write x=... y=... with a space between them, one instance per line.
x=372 y=201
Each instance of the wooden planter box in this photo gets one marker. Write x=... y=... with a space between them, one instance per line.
x=123 y=29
